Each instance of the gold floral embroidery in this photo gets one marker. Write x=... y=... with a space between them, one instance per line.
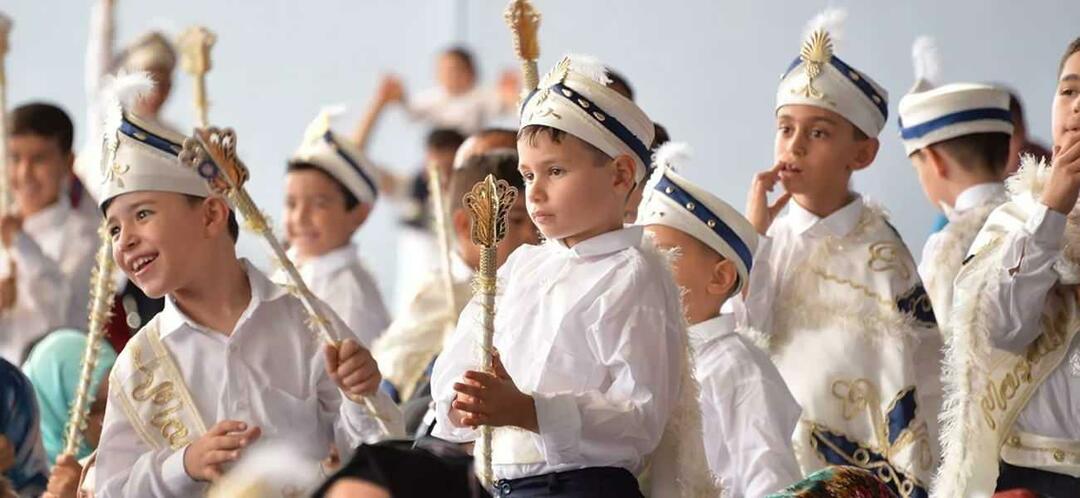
x=886 y=256
x=162 y=395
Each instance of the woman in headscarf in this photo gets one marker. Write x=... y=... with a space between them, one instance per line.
x=54 y=366
x=23 y=458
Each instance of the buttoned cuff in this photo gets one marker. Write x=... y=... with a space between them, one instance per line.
x=559 y=421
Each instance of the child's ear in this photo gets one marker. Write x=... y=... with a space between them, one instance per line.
x=865 y=153
x=723 y=279
x=625 y=167
x=459 y=221
x=937 y=162
x=215 y=216
x=359 y=214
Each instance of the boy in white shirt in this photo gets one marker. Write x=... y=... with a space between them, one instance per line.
x=834 y=288
x=230 y=360
x=1014 y=358
x=330 y=190
x=748 y=414
x=957 y=137
x=589 y=329
x=48 y=249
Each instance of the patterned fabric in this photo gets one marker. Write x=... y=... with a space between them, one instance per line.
x=846 y=482
x=19 y=424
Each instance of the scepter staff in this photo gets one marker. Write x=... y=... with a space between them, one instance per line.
x=440 y=214
x=102 y=290
x=195 y=44
x=488 y=203
x=212 y=153
x=5 y=189
x=524 y=22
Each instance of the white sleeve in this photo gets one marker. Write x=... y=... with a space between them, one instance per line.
x=58 y=290
x=457 y=356
x=642 y=353
x=127 y=467
x=352 y=423
x=929 y=253
x=99 y=49
x=754 y=308
x=757 y=417
x=1025 y=276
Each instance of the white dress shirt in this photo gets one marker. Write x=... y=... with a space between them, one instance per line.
x=54 y=255
x=269 y=372
x=596 y=335
x=747 y=412
x=945 y=250
x=1013 y=310
x=340 y=278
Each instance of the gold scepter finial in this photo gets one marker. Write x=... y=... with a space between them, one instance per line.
x=211 y=152
x=524 y=22
x=102 y=290
x=195 y=44
x=488 y=203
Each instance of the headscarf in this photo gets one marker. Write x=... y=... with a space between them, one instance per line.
x=19 y=425
x=53 y=367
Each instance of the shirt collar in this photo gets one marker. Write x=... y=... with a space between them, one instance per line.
x=712 y=328
x=262 y=291
x=330 y=262
x=978 y=194
x=605 y=243
x=48 y=218
x=839 y=223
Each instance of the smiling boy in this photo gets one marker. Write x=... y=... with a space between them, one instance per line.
x=833 y=287
x=330 y=190
x=48 y=248
x=229 y=361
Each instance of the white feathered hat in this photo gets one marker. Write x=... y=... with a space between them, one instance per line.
x=338 y=157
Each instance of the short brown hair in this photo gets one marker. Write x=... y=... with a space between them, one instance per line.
x=530 y=132
x=502 y=163
x=1074 y=47
x=44 y=120
x=986 y=151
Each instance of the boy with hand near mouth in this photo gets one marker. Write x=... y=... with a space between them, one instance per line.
x=230 y=360
x=833 y=287
x=1015 y=328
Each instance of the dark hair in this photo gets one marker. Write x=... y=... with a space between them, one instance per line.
x=1074 y=47
x=620 y=84
x=987 y=151
x=444 y=139
x=350 y=200
x=465 y=56
x=44 y=120
x=530 y=132
x=502 y=163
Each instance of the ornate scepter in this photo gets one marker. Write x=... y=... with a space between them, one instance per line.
x=101 y=295
x=524 y=21
x=212 y=153
x=488 y=202
x=442 y=232
x=195 y=44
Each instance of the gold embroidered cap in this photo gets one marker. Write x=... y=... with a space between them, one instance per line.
x=819 y=78
x=137 y=156
x=574 y=97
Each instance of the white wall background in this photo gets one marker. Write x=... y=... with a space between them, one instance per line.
x=706 y=69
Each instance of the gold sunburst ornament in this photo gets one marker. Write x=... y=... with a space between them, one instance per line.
x=816 y=51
